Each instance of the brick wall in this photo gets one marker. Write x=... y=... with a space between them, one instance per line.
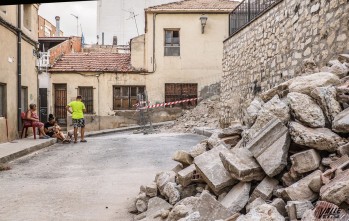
x=71 y=45
x=273 y=48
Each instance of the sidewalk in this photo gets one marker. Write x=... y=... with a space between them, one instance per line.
x=18 y=148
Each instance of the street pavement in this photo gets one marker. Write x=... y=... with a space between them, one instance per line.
x=87 y=181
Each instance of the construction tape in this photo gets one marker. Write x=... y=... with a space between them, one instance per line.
x=168 y=104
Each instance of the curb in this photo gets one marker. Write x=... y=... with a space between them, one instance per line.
x=50 y=142
x=27 y=151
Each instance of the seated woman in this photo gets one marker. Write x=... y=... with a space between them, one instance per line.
x=52 y=129
x=33 y=116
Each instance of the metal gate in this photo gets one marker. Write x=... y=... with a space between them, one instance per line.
x=60 y=102
x=43 y=104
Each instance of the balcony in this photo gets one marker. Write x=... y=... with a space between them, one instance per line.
x=44 y=60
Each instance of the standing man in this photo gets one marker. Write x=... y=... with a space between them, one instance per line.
x=78 y=109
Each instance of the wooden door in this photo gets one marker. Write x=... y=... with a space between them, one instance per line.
x=60 y=102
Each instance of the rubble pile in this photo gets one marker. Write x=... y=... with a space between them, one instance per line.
x=205 y=114
x=287 y=161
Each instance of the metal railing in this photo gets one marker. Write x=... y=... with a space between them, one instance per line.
x=43 y=60
x=247 y=11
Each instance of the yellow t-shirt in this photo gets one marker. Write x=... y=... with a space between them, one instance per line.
x=77 y=107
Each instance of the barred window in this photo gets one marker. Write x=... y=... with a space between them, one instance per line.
x=124 y=97
x=87 y=98
x=172 y=43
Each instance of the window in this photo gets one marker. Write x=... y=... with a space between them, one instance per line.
x=124 y=97
x=2 y=100
x=3 y=9
x=87 y=98
x=24 y=99
x=177 y=92
x=27 y=15
x=172 y=43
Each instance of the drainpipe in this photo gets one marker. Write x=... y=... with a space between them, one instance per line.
x=154 y=17
x=19 y=65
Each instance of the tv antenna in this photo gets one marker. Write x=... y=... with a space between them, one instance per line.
x=77 y=24
x=133 y=16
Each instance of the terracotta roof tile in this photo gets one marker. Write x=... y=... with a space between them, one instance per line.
x=93 y=62
x=196 y=5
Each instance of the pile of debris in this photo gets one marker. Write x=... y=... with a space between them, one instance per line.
x=288 y=162
x=205 y=114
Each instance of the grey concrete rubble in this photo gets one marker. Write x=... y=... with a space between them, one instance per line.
x=272 y=140
x=280 y=205
x=337 y=190
x=185 y=177
x=265 y=189
x=305 y=161
x=257 y=202
x=199 y=149
x=237 y=197
x=183 y=157
x=341 y=122
x=241 y=165
x=261 y=213
x=211 y=168
x=296 y=209
x=151 y=190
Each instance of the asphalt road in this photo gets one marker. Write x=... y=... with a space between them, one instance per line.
x=86 y=181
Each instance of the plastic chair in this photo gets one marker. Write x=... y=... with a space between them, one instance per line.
x=26 y=124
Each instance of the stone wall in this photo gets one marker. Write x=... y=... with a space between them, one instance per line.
x=273 y=48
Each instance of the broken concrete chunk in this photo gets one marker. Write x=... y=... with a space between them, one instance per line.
x=241 y=165
x=343 y=149
x=315 y=184
x=265 y=189
x=270 y=147
x=319 y=138
x=306 y=110
x=306 y=84
x=156 y=205
x=141 y=205
x=231 y=141
x=184 y=177
x=210 y=209
x=280 y=205
x=183 y=157
x=252 y=112
x=326 y=98
x=210 y=167
x=262 y=213
x=257 y=202
x=300 y=190
x=341 y=122
x=163 y=178
x=337 y=190
x=214 y=140
x=198 y=149
x=279 y=108
x=281 y=90
x=178 y=212
x=177 y=168
x=171 y=193
x=191 y=217
x=231 y=131
x=151 y=190
x=296 y=209
x=305 y=161
x=237 y=197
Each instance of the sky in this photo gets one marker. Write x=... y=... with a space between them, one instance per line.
x=87 y=12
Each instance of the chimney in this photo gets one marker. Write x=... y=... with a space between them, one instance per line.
x=102 y=38
x=58 y=31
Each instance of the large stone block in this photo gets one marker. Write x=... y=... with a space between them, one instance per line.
x=296 y=209
x=257 y=202
x=237 y=197
x=185 y=177
x=305 y=161
x=337 y=190
x=270 y=147
x=306 y=84
x=280 y=205
x=300 y=190
x=326 y=97
x=306 y=110
x=317 y=138
x=241 y=165
x=265 y=189
x=341 y=122
x=211 y=168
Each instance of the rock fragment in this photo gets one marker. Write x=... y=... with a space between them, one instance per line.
x=306 y=110
x=280 y=205
x=305 y=161
x=171 y=193
x=255 y=203
x=337 y=190
x=296 y=209
x=184 y=177
x=341 y=122
x=151 y=190
x=272 y=140
x=183 y=157
x=262 y=213
x=237 y=197
x=265 y=189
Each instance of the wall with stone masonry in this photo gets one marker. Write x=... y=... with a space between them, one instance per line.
x=272 y=49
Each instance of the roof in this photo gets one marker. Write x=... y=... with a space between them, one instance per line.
x=93 y=62
x=196 y=6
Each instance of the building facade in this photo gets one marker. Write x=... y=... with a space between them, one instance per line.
x=47 y=29
x=17 y=64
x=115 y=18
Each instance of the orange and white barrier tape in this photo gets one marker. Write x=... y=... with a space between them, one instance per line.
x=168 y=104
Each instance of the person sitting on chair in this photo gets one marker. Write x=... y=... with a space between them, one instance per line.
x=33 y=116
x=52 y=129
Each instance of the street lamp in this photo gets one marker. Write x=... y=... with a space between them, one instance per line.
x=77 y=24
x=203 y=20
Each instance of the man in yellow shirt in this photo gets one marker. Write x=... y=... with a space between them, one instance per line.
x=77 y=111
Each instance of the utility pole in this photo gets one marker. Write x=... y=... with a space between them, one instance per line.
x=77 y=24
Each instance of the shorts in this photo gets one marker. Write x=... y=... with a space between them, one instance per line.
x=79 y=122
